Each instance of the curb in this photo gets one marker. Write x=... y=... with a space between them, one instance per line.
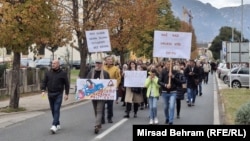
x=39 y=110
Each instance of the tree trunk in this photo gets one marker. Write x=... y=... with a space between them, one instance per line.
x=14 y=89
x=122 y=57
x=84 y=54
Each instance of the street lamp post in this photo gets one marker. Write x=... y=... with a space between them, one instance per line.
x=233 y=26
x=241 y=35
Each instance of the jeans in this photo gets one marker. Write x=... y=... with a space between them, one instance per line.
x=55 y=102
x=169 y=100
x=191 y=95
x=152 y=107
x=199 y=88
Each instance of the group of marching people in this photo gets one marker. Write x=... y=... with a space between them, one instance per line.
x=170 y=80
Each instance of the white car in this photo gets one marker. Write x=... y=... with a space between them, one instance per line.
x=238 y=77
x=220 y=67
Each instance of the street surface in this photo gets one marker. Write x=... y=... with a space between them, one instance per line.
x=77 y=121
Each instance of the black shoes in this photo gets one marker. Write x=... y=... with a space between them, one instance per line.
x=110 y=121
x=97 y=129
x=103 y=121
x=135 y=115
x=126 y=116
x=167 y=121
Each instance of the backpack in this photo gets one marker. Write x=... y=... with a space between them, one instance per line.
x=182 y=78
x=136 y=90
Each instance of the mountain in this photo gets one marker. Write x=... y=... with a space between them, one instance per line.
x=207 y=20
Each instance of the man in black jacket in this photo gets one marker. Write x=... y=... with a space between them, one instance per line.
x=55 y=81
x=168 y=91
x=192 y=74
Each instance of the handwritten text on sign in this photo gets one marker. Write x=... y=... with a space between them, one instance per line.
x=134 y=78
x=98 y=40
x=172 y=44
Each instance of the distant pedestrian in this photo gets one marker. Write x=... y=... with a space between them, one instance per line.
x=181 y=87
x=144 y=104
x=207 y=69
x=121 y=86
x=200 y=77
x=133 y=96
x=55 y=81
x=213 y=67
x=192 y=74
x=98 y=105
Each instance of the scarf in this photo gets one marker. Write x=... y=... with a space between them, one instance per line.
x=101 y=74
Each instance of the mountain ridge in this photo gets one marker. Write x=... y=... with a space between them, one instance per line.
x=207 y=20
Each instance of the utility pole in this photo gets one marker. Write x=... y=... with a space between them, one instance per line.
x=233 y=26
x=241 y=35
x=187 y=12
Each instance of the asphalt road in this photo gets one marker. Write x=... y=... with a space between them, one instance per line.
x=77 y=120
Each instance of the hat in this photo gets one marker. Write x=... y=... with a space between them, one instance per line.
x=98 y=61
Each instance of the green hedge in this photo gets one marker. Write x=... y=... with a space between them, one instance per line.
x=243 y=115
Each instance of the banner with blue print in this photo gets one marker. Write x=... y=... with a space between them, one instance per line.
x=99 y=89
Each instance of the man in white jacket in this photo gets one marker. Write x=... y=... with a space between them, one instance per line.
x=207 y=69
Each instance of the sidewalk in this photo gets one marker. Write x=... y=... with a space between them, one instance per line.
x=37 y=103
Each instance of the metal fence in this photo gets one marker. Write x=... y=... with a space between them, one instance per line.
x=3 y=79
x=31 y=76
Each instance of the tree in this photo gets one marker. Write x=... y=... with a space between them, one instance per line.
x=61 y=29
x=91 y=19
x=166 y=21
x=186 y=27
x=25 y=22
x=132 y=24
x=225 y=34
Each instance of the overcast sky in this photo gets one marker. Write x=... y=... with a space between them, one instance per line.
x=225 y=3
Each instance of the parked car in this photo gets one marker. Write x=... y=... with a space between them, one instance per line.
x=27 y=62
x=76 y=64
x=220 y=67
x=238 y=77
x=223 y=71
x=43 y=63
x=46 y=63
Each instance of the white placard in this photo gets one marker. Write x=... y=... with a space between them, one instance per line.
x=172 y=44
x=98 y=40
x=134 y=78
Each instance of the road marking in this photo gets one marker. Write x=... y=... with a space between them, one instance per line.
x=216 y=104
x=100 y=136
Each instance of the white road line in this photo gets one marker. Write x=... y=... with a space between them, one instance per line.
x=216 y=104
x=100 y=136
